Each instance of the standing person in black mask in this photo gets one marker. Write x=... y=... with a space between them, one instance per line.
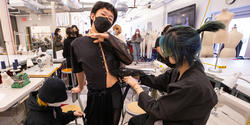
x=190 y=96
x=66 y=51
x=97 y=57
x=76 y=30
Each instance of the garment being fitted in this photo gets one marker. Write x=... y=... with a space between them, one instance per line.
x=87 y=57
x=188 y=102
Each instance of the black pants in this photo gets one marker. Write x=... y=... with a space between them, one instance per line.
x=138 y=120
x=104 y=106
x=143 y=119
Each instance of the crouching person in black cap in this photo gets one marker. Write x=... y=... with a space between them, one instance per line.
x=44 y=105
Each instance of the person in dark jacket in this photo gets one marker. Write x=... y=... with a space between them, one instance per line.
x=44 y=105
x=190 y=96
x=71 y=35
x=67 y=42
x=57 y=42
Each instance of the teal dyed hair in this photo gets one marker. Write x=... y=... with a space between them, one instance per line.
x=183 y=42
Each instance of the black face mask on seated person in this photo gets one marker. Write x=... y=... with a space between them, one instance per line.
x=166 y=61
x=102 y=24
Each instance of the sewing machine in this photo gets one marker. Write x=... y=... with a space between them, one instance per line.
x=230 y=110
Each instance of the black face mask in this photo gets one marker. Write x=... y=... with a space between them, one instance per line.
x=102 y=24
x=76 y=32
x=166 y=61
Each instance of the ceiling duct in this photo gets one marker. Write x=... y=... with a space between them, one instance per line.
x=27 y=5
x=35 y=4
x=32 y=8
x=74 y=4
x=120 y=7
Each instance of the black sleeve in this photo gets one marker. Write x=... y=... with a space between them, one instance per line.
x=157 y=43
x=170 y=106
x=76 y=65
x=121 y=50
x=160 y=82
x=68 y=117
x=66 y=49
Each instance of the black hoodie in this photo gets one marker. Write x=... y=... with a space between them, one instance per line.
x=41 y=115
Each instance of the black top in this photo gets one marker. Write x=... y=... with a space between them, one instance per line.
x=66 y=50
x=87 y=57
x=188 y=102
x=41 y=115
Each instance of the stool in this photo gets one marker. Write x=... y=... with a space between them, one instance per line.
x=68 y=71
x=132 y=109
x=67 y=108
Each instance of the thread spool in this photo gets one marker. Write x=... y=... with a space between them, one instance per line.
x=16 y=61
x=14 y=66
x=3 y=65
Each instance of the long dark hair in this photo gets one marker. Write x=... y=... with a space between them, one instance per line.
x=135 y=36
x=77 y=32
x=183 y=42
x=56 y=31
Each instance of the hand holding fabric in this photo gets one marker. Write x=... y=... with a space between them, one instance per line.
x=133 y=83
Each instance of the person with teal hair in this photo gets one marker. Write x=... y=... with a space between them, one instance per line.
x=190 y=96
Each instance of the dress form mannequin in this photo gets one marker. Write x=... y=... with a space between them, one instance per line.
x=221 y=36
x=207 y=44
x=225 y=17
x=234 y=39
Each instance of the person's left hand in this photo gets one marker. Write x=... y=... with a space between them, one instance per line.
x=130 y=80
x=78 y=113
x=100 y=36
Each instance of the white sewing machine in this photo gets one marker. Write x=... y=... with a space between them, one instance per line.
x=229 y=111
